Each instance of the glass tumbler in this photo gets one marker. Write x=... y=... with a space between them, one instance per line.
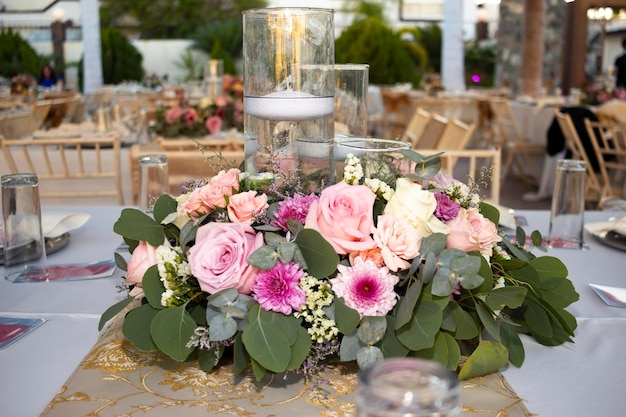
x=380 y=159
x=408 y=387
x=24 y=244
x=289 y=89
x=567 y=215
x=153 y=179
x=351 y=83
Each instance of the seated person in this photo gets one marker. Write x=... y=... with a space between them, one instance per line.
x=48 y=77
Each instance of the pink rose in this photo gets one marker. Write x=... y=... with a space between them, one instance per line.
x=397 y=240
x=220 y=101
x=344 y=217
x=213 y=124
x=471 y=231
x=212 y=195
x=227 y=181
x=142 y=258
x=173 y=114
x=218 y=259
x=243 y=206
x=373 y=255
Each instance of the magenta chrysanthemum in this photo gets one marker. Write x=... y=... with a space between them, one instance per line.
x=278 y=289
x=446 y=208
x=295 y=208
x=366 y=288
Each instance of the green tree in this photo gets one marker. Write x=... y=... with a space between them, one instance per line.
x=167 y=19
x=480 y=60
x=221 y=40
x=121 y=61
x=431 y=40
x=371 y=41
x=17 y=56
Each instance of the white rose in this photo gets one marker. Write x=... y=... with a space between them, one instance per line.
x=416 y=205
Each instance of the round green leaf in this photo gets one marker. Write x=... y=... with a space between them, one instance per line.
x=222 y=327
x=346 y=318
x=268 y=345
x=153 y=287
x=350 y=345
x=488 y=357
x=300 y=349
x=171 y=330
x=369 y=356
x=136 y=327
x=372 y=329
x=319 y=255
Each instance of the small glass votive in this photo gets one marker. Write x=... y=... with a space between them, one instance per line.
x=408 y=387
x=567 y=216
x=380 y=159
x=24 y=244
x=153 y=179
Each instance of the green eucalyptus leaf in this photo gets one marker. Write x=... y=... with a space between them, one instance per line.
x=490 y=212
x=527 y=275
x=267 y=344
x=266 y=228
x=464 y=327
x=137 y=225
x=286 y=252
x=136 y=327
x=488 y=357
x=289 y=325
x=223 y=297
x=537 y=319
x=120 y=262
x=369 y=356
x=434 y=244
x=222 y=327
x=408 y=303
x=153 y=287
x=198 y=314
x=536 y=238
x=346 y=318
x=556 y=288
x=294 y=226
x=372 y=329
x=350 y=346
x=274 y=239
x=171 y=330
x=390 y=345
x=241 y=359
x=420 y=332
x=520 y=236
x=163 y=207
x=445 y=351
x=235 y=312
x=430 y=267
x=113 y=311
x=300 y=349
x=486 y=273
x=320 y=257
x=512 y=297
x=188 y=233
x=257 y=369
x=511 y=340
x=487 y=319
x=518 y=253
x=263 y=258
x=210 y=358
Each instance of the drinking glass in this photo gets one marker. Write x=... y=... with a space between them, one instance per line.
x=568 y=205
x=24 y=243
x=214 y=79
x=289 y=87
x=351 y=83
x=380 y=159
x=408 y=387
x=153 y=179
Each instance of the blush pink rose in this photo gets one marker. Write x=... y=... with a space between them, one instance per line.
x=218 y=259
x=398 y=241
x=221 y=101
x=228 y=181
x=471 y=231
x=142 y=258
x=373 y=255
x=344 y=217
x=213 y=195
x=243 y=206
x=213 y=124
x=173 y=114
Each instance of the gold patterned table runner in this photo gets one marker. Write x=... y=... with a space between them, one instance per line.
x=116 y=379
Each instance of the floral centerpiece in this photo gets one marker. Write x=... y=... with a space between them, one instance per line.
x=598 y=93
x=22 y=84
x=286 y=280
x=209 y=116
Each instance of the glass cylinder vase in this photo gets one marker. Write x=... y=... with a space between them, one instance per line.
x=288 y=94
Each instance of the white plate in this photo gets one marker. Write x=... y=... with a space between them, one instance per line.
x=604 y=232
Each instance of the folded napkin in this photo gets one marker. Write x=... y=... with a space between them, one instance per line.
x=613 y=296
x=55 y=223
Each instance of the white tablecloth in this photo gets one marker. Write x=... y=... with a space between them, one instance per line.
x=582 y=379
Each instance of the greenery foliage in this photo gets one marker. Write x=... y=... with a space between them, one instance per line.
x=480 y=60
x=121 y=61
x=221 y=39
x=17 y=56
x=371 y=41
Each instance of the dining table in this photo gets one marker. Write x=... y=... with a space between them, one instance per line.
x=40 y=370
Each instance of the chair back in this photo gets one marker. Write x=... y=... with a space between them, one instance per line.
x=416 y=127
x=17 y=125
x=40 y=112
x=609 y=142
x=507 y=131
x=456 y=135
x=69 y=167
x=432 y=132
x=574 y=144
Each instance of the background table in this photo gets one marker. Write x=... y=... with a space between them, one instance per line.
x=581 y=379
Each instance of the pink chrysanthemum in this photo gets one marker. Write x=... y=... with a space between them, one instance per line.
x=295 y=208
x=446 y=208
x=366 y=288
x=278 y=289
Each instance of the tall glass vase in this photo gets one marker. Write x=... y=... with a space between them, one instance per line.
x=288 y=95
